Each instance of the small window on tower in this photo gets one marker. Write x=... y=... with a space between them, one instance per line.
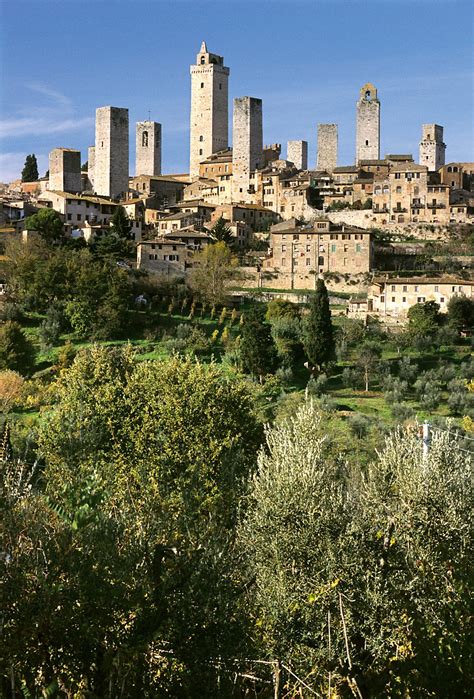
x=367 y=95
x=203 y=60
x=202 y=85
x=200 y=151
x=220 y=86
x=201 y=138
x=145 y=139
x=366 y=143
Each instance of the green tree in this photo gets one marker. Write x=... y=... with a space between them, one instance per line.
x=461 y=313
x=30 y=169
x=116 y=242
x=220 y=232
x=423 y=318
x=145 y=467
x=214 y=267
x=257 y=348
x=368 y=355
x=48 y=223
x=16 y=351
x=361 y=584
x=318 y=336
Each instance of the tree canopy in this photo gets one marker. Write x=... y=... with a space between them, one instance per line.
x=48 y=223
x=30 y=169
x=213 y=269
x=318 y=331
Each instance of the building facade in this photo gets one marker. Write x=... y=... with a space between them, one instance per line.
x=209 y=130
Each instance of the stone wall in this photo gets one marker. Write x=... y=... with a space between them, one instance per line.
x=297 y=153
x=111 y=151
x=326 y=158
x=247 y=153
x=65 y=170
x=368 y=124
x=209 y=128
x=91 y=166
x=148 y=148
x=432 y=148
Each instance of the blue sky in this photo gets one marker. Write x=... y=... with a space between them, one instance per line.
x=306 y=59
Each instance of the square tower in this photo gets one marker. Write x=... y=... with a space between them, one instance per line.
x=247 y=151
x=326 y=158
x=432 y=148
x=368 y=124
x=297 y=153
x=65 y=170
x=148 y=148
x=209 y=130
x=111 y=152
x=90 y=166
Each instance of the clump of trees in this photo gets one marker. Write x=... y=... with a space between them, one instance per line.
x=30 y=169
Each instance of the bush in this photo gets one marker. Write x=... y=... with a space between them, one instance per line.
x=317 y=386
x=16 y=351
x=359 y=425
x=402 y=412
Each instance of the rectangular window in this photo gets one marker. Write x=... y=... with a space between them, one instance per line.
x=308 y=261
x=393 y=287
x=333 y=248
x=404 y=299
x=441 y=299
x=283 y=248
x=437 y=289
x=393 y=299
x=308 y=248
x=357 y=247
x=416 y=288
x=283 y=261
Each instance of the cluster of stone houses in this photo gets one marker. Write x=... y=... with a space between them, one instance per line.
x=251 y=186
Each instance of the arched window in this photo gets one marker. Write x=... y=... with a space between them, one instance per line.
x=367 y=95
x=450 y=169
x=203 y=60
x=455 y=169
x=145 y=139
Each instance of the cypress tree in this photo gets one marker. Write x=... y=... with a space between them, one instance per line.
x=30 y=170
x=318 y=339
x=257 y=347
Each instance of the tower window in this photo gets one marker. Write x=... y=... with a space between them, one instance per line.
x=367 y=95
x=145 y=139
x=203 y=60
x=200 y=151
x=366 y=143
x=220 y=86
x=201 y=138
x=202 y=84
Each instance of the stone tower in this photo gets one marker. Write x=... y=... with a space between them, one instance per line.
x=326 y=158
x=247 y=150
x=432 y=148
x=65 y=170
x=111 y=152
x=368 y=124
x=90 y=166
x=297 y=153
x=209 y=130
x=148 y=148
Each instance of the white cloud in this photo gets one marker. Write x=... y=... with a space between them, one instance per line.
x=42 y=125
x=57 y=117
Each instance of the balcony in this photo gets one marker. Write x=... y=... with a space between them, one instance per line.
x=436 y=206
x=400 y=210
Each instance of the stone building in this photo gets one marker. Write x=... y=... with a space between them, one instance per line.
x=393 y=297
x=65 y=170
x=148 y=148
x=167 y=191
x=458 y=175
x=247 y=151
x=111 y=152
x=326 y=158
x=297 y=153
x=368 y=124
x=300 y=254
x=209 y=131
x=91 y=166
x=432 y=148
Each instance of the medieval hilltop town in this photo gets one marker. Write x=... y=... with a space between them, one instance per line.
x=355 y=225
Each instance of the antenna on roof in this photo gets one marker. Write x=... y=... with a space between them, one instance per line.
x=149 y=115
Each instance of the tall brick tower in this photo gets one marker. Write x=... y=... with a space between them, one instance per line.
x=368 y=124
x=209 y=130
x=111 y=151
x=247 y=147
x=148 y=148
x=326 y=157
x=432 y=148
